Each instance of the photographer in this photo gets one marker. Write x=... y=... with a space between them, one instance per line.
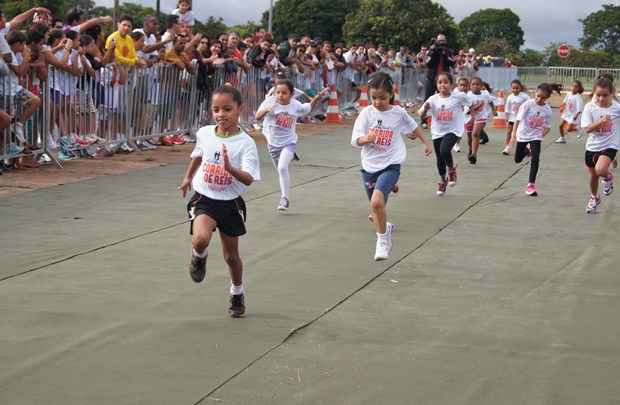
x=439 y=59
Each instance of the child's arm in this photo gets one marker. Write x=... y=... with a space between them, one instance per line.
x=513 y=135
x=546 y=131
x=428 y=149
x=244 y=177
x=315 y=100
x=366 y=139
x=186 y=184
x=596 y=124
x=260 y=114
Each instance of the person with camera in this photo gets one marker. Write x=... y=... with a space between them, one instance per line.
x=439 y=59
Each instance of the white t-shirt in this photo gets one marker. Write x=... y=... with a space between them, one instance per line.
x=279 y=125
x=64 y=81
x=448 y=114
x=389 y=127
x=485 y=113
x=4 y=46
x=513 y=103
x=533 y=120
x=13 y=86
x=573 y=105
x=187 y=18
x=211 y=179
x=167 y=36
x=606 y=136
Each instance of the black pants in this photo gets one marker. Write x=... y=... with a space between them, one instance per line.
x=521 y=152
x=443 y=152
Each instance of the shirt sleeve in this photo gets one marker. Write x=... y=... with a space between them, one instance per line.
x=4 y=46
x=508 y=107
x=586 y=117
x=197 y=152
x=360 y=128
x=579 y=104
x=407 y=123
x=304 y=109
x=522 y=111
x=249 y=161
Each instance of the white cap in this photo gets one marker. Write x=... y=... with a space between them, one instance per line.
x=472 y=50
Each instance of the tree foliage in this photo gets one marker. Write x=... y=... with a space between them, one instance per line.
x=317 y=18
x=579 y=58
x=400 y=22
x=491 y=23
x=601 y=29
x=527 y=57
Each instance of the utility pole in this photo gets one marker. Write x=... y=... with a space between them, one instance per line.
x=270 y=29
x=158 y=8
x=115 y=15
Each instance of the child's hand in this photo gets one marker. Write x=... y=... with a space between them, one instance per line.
x=427 y=149
x=226 y=160
x=324 y=92
x=185 y=186
x=371 y=137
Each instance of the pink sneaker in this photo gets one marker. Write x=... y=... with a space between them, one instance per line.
x=441 y=187
x=531 y=190
x=452 y=176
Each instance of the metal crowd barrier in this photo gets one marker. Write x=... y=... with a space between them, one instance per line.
x=532 y=76
x=80 y=115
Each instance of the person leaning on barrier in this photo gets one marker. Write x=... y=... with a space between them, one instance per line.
x=6 y=27
x=176 y=56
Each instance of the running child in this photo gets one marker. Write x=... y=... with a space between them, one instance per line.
x=378 y=131
x=532 y=124
x=572 y=108
x=447 y=127
x=224 y=163
x=462 y=87
x=481 y=97
x=280 y=113
x=517 y=97
x=601 y=121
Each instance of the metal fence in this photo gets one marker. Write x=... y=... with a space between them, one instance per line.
x=99 y=112
x=532 y=76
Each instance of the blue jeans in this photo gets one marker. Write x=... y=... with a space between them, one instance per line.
x=383 y=180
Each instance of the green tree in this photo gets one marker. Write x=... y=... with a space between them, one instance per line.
x=601 y=29
x=527 y=57
x=317 y=18
x=400 y=22
x=579 y=58
x=493 y=47
x=212 y=27
x=246 y=29
x=491 y=23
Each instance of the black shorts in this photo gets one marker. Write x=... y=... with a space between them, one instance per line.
x=229 y=215
x=592 y=157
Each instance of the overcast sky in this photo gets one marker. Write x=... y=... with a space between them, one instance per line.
x=543 y=21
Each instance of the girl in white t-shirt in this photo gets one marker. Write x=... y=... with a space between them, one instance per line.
x=513 y=103
x=601 y=121
x=280 y=112
x=447 y=127
x=379 y=131
x=184 y=11
x=462 y=88
x=224 y=163
x=532 y=123
x=479 y=96
x=571 y=108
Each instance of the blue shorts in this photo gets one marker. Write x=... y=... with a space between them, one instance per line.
x=383 y=180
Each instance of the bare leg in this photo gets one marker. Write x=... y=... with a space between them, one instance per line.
x=379 y=215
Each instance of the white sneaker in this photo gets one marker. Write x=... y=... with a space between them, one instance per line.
x=384 y=245
x=456 y=148
x=560 y=140
x=284 y=204
x=506 y=151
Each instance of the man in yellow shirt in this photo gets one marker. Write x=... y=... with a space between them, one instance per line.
x=124 y=49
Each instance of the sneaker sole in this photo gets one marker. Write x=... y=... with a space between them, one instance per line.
x=381 y=258
x=234 y=314
x=282 y=208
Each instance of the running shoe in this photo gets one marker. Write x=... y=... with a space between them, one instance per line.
x=531 y=190
x=608 y=185
x=452 y=176
x=167 y=140
x=296 y=157
x=579 y=135
x=198 y=268
x=125 y=148
x=237 y=306
x=384 y=245
x=456 y=148
x=560 y=140
x=484 y=138
x=472 y=159
x=593 y=203
x=178 y=140
x=506 y=151
x=284 y=204
x=441 y=187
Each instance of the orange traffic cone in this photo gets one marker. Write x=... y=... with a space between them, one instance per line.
x=396 y=95
x=363 y=101
x=333 y=113
x=499 y=121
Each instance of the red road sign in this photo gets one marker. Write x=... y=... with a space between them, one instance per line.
x=563 y=51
